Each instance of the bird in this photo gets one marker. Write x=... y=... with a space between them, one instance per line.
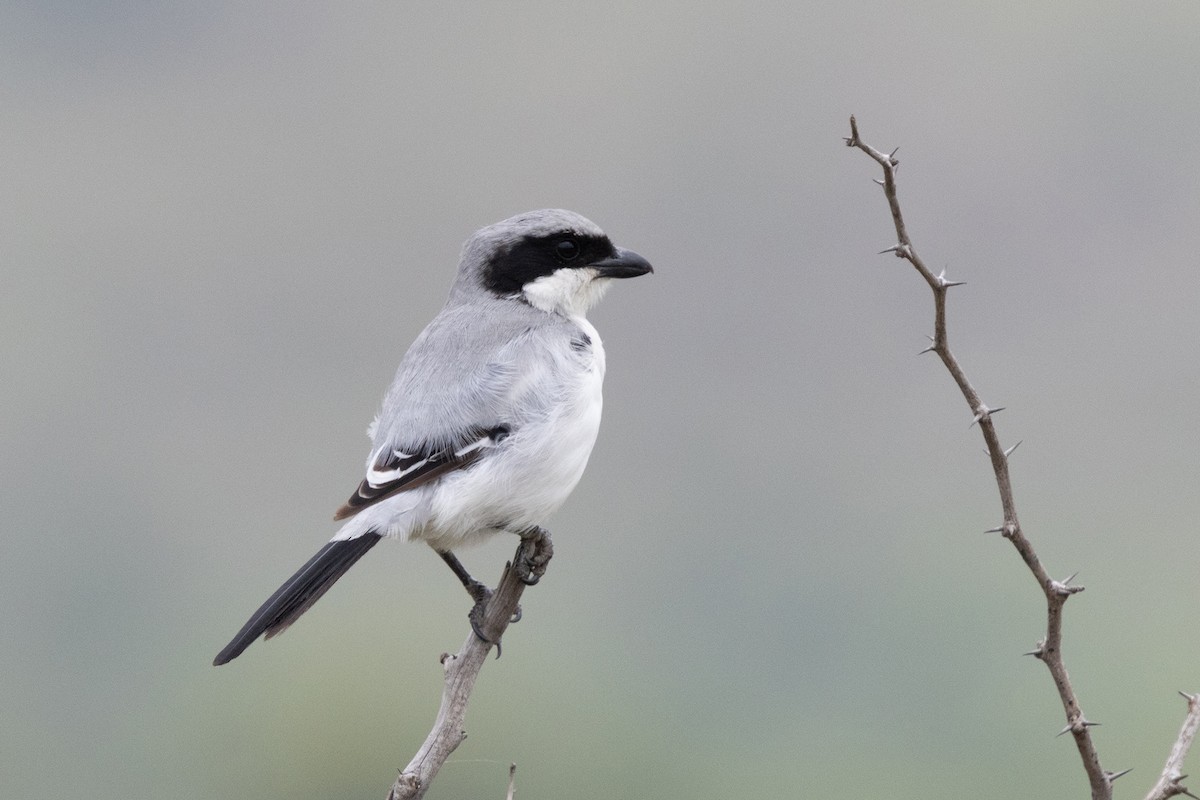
x=490 y=420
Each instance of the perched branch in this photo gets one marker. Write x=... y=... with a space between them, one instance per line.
x=1170 y=783
x=1049 y=649
x=461 y=670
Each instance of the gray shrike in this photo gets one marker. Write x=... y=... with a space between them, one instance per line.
x=492 y=415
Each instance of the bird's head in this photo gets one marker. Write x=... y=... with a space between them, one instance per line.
x=555 y=260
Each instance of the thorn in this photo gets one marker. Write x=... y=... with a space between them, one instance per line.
x=929 y=349
x=892 y=155
x=1112 y=776
x=1068 y=580
x=893 y=249
x=1006 y=530
x=983 y=413
x=1191 y=698
x=1082 y=724
x=1038 y=650
x=876 y=180
x=945 y=284
x=1064 y=589
x=1007 y=452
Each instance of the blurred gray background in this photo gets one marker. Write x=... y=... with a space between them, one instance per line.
x=223 y=223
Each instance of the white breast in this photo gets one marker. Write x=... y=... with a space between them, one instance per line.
x=533 y=471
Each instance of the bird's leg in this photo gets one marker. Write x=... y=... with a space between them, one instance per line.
x=479 y=593
x=533 y=554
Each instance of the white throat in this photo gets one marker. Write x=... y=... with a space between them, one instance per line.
x=568 y=291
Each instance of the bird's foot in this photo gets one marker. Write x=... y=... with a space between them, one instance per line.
x=476 y=617
x=478 y=613
x=533 y=555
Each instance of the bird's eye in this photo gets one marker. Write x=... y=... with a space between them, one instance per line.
x=567 y=250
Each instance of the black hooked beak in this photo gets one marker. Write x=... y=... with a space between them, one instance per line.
x=622 y=264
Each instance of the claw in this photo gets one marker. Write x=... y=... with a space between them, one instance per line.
x=475 y=617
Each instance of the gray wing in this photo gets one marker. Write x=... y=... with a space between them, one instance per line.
x=458 y=393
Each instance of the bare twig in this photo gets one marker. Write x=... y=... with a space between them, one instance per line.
x=1049 y=650
x=1170 y=783
x=460 y=670
x=512 y=782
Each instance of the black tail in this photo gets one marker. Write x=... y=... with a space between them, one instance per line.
x=299 y=593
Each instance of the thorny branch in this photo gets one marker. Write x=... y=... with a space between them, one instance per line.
x=1049 y=649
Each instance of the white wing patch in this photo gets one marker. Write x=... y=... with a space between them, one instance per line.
x=407 y=464
x=396 y=471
